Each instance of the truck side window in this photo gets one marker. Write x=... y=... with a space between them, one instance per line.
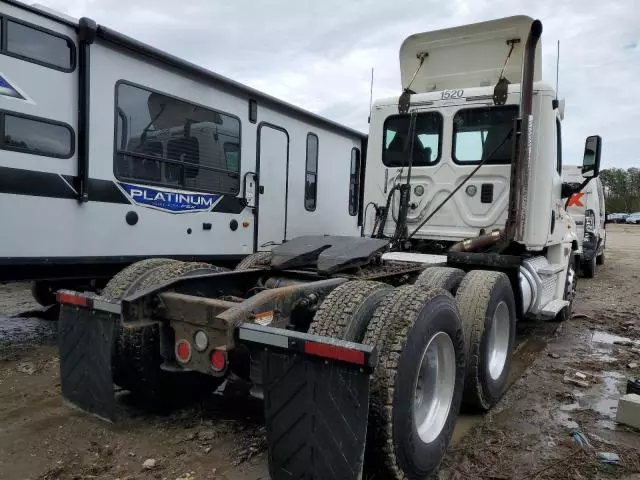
x=169 y=142
x=354 y=182
x=559 y=145
x=311 y=173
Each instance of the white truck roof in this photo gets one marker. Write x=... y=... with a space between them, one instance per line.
x=468 y=56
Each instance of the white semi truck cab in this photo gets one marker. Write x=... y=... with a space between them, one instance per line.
x=474 y=172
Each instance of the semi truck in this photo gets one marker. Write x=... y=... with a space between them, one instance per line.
x=587 y=207
x=365 y=348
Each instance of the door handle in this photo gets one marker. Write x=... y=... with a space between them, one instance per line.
x=261 y=189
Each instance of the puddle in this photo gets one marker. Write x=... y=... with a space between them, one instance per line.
x=608 y=338
x=15 y=331
x=570 y=407
x=602 y=357
x=603 y=398
x=564 y=419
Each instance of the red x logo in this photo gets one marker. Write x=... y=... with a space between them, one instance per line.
x=575 y=200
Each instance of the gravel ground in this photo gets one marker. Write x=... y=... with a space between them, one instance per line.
x=528 y=434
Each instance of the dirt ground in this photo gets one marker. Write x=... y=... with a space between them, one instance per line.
x=528 y=435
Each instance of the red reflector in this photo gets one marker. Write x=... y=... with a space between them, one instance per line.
x=71 y=299
x=183 y=351
x=218 y=360
x=334 y=352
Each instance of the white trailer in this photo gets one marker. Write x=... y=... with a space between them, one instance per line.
x=113 y=151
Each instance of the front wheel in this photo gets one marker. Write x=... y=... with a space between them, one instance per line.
x=589 y=267
x=417 y=386
x=570 y=284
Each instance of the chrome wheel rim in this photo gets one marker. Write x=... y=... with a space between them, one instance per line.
x=434 y=386
x=498 y=345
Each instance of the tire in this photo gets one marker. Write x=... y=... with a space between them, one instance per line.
x=345 y=313
x=43 y=293
x=487 y=306
x=589 y=268
x=136 y=357
x=569 y=290
x=405 y=322
x=441 y=277
x=118 y=285
x=255 y=260
x=600 y=259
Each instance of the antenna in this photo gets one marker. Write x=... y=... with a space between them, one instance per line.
x=371 y=91
x=370 y=94
x=557 y=69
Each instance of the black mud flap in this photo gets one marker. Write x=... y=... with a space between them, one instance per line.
x=85 y=339
x=316 y=402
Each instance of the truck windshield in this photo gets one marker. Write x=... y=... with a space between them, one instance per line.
x=427 y=140
x=478 y=131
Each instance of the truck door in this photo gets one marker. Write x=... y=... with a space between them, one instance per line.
x=273 y=166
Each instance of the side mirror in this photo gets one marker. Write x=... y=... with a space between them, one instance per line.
x=591 y=159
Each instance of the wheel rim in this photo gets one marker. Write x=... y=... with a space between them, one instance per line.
x=498 y=346
x=434 y=387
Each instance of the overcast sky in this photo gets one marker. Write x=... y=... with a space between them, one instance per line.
x=318 y=55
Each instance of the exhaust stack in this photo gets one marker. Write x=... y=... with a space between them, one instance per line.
x=519 y=188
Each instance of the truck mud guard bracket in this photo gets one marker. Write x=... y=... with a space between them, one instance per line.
x=316 y=401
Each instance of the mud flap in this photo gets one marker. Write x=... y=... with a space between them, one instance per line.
x=316 y=402
x=85 y=340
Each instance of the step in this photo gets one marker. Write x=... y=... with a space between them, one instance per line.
x=552 y=308
x=552 y=269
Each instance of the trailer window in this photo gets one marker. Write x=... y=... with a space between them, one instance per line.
x=354 y=183
x=165 y=141
x=427 y=141
x=37 y=45
x=479 y=131
x=311 y=173
x=36 y=136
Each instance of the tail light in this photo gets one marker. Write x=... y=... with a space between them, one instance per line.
x=218 y=360
x=589 y=221
x=183 y=351
x=71 y=298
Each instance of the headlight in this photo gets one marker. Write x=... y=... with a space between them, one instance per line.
x=589 y=221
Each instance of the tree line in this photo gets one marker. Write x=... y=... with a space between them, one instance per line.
x=622 y=189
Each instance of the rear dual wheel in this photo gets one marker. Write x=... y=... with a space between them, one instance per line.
x=417 y=386
x=441 y=277
x=487 y=307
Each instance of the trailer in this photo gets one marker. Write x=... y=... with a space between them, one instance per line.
x=112 y=152
x=365 y=349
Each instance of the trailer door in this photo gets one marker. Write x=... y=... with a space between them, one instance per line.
x=273 y=167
